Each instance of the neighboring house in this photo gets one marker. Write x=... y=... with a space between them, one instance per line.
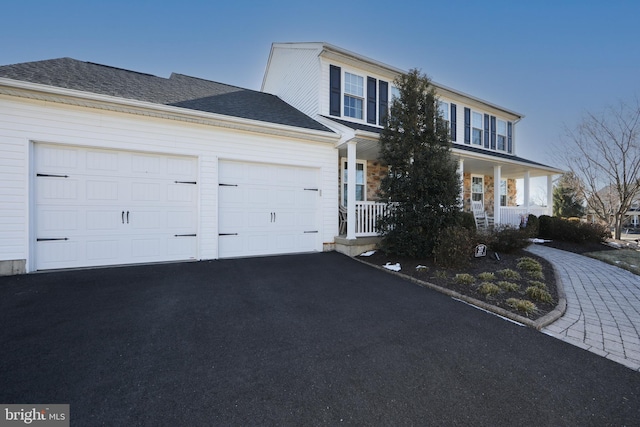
x=104 y=166
x=351 y=94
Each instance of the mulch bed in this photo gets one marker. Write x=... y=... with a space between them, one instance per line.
x=445 y=277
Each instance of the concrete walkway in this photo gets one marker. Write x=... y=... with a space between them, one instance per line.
x=603 y=306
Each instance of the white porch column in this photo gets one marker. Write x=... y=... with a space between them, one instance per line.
x=461 y=172
x=527 y=187
x=497 y=174
x=351 y=190
x=549 y=195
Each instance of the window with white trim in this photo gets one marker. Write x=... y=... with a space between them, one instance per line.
x=360 y=182
x=477 y=188
x=444 y=111
x=503 y=192
x=353 y=95
x=476 y=128
x=502 y=135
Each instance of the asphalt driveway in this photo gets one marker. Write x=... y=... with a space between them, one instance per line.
x=296 y=340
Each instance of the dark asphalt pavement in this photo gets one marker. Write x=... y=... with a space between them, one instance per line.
x=317 y=339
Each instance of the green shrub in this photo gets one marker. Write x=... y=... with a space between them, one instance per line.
x=508 y=273
x=538 y=294
x=546 y=227
x=508 y=286
x=454 y=247
x=523 y=305
x=537 y=275
x=467 y=221
x=594 y=233
x=464 y=279
x=529 y=264
x=486 y=276
x=555 y=228
x=488 y=289
x=533 y=225
x=441 y=274
x=507 y=239
x=538 y=284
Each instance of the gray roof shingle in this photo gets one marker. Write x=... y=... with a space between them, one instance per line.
x=178 y=90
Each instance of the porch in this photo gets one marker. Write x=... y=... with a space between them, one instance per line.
x=487 y=176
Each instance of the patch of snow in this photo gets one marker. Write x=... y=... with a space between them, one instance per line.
x=615 y=244
x=369 y=253
x=536 y=240
x=421 y=267
x=392 y=267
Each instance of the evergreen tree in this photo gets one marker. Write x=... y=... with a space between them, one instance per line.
x=567 y=199
x=423 y=184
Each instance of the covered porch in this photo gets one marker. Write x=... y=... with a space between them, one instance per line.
x=487 y=177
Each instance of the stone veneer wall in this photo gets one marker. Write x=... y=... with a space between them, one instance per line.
x=375 y=173
x=488 y=192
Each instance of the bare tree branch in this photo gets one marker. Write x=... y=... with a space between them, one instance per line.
x=604 y=152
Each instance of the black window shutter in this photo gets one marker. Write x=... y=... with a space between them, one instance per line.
x=371 y=100
x=454 y=122
x=486 y=131
x=510 y=137
x=467 y=125
x=334 y=90
x=383 y=88
x=493 y=132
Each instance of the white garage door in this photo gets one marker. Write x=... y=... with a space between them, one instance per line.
x=267 y=209
x=101 y=207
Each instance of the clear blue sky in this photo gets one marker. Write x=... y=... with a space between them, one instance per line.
x=549 y=60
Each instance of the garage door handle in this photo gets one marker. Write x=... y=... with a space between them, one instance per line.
x=127 y=217
x=123 y=217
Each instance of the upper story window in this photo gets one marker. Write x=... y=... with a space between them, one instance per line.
x=476 y=128
x=353 y=95
x=358 y=97
x=502 y=135
x=444 y=110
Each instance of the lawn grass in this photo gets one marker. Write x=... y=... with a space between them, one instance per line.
x=629 y=259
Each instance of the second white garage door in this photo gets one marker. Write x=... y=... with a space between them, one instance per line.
x=267 y=209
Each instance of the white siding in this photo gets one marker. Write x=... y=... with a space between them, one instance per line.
x=294 y=76
x=25 y=121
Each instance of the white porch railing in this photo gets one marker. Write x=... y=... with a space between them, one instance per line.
x=367 y=214
x=511 y=215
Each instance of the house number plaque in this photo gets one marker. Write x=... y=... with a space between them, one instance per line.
x=481 y=250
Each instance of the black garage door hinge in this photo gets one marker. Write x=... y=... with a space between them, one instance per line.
x=228 y=234
x=52 y=176
x=51 y=239
x=227 y=185
x=311 y=189
x=185 y=182
x=307 y=232
x=184 y=235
